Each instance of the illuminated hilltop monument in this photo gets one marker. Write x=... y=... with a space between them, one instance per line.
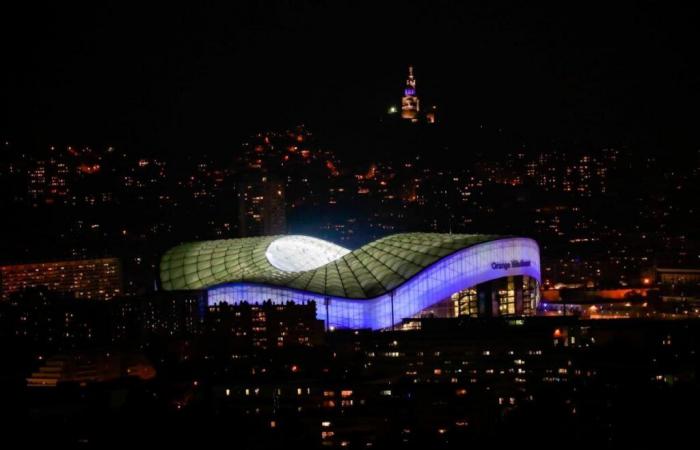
x=410 y=103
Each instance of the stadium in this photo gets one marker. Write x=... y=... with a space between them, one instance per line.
x=375 y=286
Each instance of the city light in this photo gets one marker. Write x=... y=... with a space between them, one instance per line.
x=338 y=225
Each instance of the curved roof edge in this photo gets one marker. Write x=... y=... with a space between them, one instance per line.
x=367 y=272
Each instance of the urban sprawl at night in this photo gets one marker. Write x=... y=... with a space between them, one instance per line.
x=269 y=231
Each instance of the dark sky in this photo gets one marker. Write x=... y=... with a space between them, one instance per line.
x=193 y=78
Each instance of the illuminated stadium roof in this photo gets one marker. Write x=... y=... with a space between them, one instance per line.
x=310 y=264
x=373 y=287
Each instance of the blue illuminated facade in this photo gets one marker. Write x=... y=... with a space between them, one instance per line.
x=465 y=268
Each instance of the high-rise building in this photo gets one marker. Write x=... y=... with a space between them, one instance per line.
x=410 y=104
x=261 y=206
x=274 y=218
x=98 y=279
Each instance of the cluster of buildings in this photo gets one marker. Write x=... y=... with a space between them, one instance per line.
x=285 y=291
x=272 y=292
x=454 y=382
x=286 y=181
x=46 y=323
x=594 y=232
x=279 y=173
x=369 y=334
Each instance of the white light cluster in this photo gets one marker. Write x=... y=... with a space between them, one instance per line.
x=298 y=253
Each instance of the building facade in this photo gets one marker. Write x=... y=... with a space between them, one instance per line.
x=98 y=279
x=261 y=206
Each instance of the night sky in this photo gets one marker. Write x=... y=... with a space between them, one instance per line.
x=186 y=79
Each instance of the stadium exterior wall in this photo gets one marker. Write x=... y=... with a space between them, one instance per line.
x=465 y=268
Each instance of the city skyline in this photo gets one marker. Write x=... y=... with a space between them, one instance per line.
x=333 y=224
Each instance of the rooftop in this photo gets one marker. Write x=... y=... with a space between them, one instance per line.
x=367 y=272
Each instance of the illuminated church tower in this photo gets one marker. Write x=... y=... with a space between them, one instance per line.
x=409 y=103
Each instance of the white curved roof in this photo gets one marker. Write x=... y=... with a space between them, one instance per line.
x=299 y=253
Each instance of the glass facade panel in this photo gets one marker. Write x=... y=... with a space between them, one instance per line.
x=510 y=261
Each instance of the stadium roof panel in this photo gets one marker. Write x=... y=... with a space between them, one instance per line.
x=310 y=264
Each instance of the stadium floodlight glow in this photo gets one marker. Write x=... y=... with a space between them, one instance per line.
x=374 y=286
x=300 y=253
